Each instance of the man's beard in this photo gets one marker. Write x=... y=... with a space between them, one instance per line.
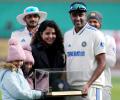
x=32 y=25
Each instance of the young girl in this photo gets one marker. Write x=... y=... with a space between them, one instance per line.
x=12 y=82
x=27 y=66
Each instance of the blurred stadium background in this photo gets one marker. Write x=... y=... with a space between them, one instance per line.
x=58 y=11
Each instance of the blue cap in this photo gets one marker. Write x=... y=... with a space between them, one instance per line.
x=78 y=6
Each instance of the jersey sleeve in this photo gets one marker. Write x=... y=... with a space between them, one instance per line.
x=99 y=43
x=65 y=42
x=110 y=51
x=15 y=34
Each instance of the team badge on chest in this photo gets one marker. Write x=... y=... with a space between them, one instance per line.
x=84 y=44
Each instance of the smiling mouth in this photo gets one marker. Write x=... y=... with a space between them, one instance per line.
x=78 y=23
x=50 y=41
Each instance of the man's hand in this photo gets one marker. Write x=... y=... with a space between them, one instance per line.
x=85 y=89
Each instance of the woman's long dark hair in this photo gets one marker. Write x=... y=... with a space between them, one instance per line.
x=58 y=43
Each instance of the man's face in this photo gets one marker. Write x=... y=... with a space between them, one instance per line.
x=95 y=23
x=32 y=20
x=78 y=19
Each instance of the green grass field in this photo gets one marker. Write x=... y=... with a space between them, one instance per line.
x=115 y=89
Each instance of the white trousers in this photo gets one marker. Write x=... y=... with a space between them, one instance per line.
x=107 y=93
x=93 y=94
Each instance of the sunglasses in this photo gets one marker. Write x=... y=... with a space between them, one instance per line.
x=80 y=7
x=32 y=9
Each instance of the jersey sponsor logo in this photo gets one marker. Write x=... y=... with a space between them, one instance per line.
x=75 y=53
x=23 y=40
x=84 y=44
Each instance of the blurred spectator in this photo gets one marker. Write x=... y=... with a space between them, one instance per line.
x=116 y=36
x=9 y=25
x=95 y=20
x=30 y=18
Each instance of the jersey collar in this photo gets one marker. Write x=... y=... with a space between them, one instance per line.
x=80 y=32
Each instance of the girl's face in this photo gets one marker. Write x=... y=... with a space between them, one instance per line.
x=18 y=63
x=49 y=35
x=28 y=65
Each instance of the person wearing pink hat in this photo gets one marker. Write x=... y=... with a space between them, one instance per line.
x=12 y=82
x=30 y=18
x=27 y=66
x=29 y=61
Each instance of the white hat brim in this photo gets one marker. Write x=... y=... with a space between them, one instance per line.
x=43 y=16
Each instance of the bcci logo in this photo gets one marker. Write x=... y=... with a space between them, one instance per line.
x=84 y=44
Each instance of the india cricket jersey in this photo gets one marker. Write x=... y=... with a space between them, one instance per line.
x=23 y=36
x=110 y=58
x=81 y=49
